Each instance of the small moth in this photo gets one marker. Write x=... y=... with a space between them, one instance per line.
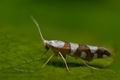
x=63 y=48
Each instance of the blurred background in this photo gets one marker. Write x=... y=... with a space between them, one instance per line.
x=94 y=22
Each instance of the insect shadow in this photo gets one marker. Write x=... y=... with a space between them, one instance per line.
x=61 y=64
x=72 y=64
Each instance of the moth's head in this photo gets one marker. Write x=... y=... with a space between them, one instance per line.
x=46 y=44
x=53 y=43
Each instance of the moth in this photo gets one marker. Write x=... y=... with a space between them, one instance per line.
x=62 y=48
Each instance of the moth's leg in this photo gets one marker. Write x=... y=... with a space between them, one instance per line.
x=64 y=62
x=47 y=60
x=88 y=65
x=64 y=56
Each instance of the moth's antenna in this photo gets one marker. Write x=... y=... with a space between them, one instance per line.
x=37 y=25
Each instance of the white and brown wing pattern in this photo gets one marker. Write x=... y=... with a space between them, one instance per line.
x=84 y=52
x=101 y=52
x=74 y=47
x=88 y=52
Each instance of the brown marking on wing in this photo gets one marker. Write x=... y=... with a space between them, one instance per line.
x=101 y=51
x=65 y=50
x=78 y=52
x=66 y=45
x=84 y=48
